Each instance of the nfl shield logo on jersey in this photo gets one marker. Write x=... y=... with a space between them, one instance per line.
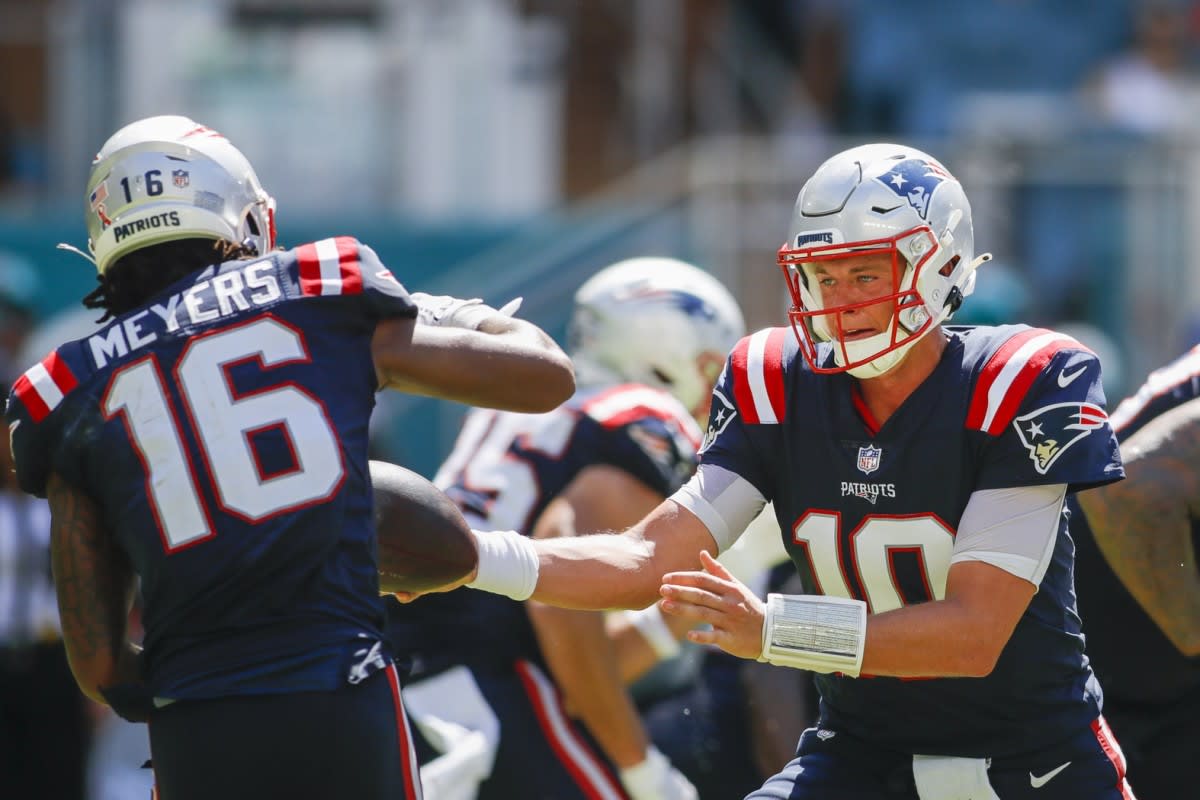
x=868 y=459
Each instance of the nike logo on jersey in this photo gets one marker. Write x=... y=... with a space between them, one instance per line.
x=1065 y=379
x=1038 y=782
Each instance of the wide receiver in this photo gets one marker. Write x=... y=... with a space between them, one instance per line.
x=210 y=441
x=919 y=473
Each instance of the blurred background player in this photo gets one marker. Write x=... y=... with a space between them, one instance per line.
x=211 y=442
x=647 y=337
x=1139 y=586
x=45 y=724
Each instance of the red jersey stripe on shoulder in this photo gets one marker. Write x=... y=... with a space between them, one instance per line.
x=1008 y=374
x=758 y=389
x=330 y=266
x=623 y=404
x=349 y=266
x=44 y=385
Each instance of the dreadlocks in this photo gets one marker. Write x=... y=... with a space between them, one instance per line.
x=137 y=276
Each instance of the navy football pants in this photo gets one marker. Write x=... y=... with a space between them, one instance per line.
x=350 y=743
x=840 y=766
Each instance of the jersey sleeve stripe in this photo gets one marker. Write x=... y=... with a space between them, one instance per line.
x=44 y=385
x=330 y=267
x=758 y=377
x=349 y=267
x=1008 y=375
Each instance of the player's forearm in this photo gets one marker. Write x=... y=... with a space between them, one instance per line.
x=580 y=658
x=930 y=640
x=1143 y=524
x=960 y=636
x=1154 y=559
x=94 y=585
x=522 y=370
x=600 y=571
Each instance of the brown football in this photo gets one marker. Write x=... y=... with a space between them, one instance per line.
x=424 y=542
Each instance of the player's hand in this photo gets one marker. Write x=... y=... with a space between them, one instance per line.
x=656 y=779
x=715 y=597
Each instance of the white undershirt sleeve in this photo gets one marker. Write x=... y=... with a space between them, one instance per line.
x=1013 y=529
x=724 y=501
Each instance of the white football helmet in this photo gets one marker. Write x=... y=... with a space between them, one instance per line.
x=165 y=178
x=655 y=321
x=880 y=198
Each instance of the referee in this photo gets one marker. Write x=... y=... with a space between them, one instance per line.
x=44 y=721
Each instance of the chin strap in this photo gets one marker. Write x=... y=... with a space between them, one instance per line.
x=70 y=248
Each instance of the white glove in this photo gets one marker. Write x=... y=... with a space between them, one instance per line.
x=452 y=312
x=656 y=779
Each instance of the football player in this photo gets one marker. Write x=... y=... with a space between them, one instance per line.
x=919 y=472
x=211 y=441
x=1138 y=584
x=648 y=337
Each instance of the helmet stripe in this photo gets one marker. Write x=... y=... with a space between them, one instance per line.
x=1009 y=373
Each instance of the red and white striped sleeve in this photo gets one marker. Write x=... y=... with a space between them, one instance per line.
x=330 y=266
x=1007 y=376
x=758 y=388
x=42 y=387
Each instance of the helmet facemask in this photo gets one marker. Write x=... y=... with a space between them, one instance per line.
x=814 y=322
x=883 y=200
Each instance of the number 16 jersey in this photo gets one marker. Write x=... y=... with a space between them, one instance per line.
x=221 y=429
x=872 y=512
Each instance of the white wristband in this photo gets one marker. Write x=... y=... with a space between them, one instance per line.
x=508 y=564
x=815 y=632
x=653 y=628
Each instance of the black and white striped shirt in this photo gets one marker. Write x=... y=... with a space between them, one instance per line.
x=28 y=608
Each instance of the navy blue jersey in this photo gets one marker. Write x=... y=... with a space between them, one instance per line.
x=504 y=470
x=1134 y=659
x=222 y=430
x=872 y=512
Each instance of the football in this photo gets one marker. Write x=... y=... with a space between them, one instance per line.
x=424 y=542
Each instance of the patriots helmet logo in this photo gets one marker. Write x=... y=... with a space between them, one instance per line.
x=1047 y=432
x=914 y=180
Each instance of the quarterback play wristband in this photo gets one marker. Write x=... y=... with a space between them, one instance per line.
x=814 y=632
x=508 y=564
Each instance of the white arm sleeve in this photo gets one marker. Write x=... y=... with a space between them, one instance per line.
x=1013 y=529
x=724 y=501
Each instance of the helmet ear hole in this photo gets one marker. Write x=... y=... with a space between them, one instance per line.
x=661 y=376
x=252 y=225
x=949 y=267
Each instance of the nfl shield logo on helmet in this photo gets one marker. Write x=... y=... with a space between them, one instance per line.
x=181 y=178
x=868 y=459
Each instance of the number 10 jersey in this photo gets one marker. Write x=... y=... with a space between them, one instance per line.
x=872 y=512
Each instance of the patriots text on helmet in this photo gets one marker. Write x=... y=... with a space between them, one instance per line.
x=167 y=219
